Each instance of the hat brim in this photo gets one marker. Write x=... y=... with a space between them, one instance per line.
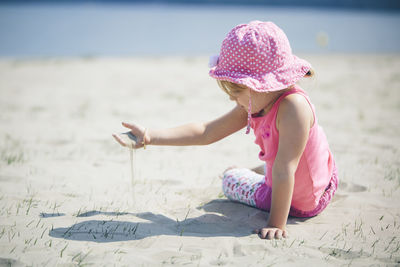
x=278 y=79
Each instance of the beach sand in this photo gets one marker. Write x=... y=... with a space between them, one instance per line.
x=65 y=185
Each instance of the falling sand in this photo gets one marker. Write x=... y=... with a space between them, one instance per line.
x=131 y=140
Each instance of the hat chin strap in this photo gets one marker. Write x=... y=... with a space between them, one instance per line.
x=249 y=115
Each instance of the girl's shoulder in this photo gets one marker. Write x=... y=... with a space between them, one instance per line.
x=295 y=107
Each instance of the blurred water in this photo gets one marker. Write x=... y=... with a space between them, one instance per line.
x=42 y=30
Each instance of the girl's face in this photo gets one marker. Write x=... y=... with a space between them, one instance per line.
x=241 y=97
x=259 y=100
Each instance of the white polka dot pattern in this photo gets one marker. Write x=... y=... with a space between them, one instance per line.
x=258 y=55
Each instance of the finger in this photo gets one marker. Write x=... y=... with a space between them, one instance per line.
x=135 y=129
x=285 y=234
x=278 y=234
x=271 y=234
x=264 y=233
x=119 y=140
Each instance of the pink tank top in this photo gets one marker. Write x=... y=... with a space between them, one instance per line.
x=315 y=166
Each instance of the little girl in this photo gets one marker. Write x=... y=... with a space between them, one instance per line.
x=258 y=71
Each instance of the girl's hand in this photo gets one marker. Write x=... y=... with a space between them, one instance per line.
x=271 y=233
x=138 y=131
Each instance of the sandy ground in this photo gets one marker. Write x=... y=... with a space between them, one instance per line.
x=65 y=189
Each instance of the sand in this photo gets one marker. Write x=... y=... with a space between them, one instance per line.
x=65 y=184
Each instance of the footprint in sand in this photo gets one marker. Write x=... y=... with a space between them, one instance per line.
x=345 y=188
x=352 y=188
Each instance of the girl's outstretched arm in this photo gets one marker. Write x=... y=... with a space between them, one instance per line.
x=294 y=120
x=202 y=133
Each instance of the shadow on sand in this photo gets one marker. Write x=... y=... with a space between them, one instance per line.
x=223 y=218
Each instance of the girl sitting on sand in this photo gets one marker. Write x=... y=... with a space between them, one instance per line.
x=258 y=71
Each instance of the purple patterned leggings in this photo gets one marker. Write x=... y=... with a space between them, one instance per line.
x=248 y=187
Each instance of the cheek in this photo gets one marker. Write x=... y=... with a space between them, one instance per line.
x=244 y=101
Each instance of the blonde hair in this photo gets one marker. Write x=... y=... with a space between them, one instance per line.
x=232 y=88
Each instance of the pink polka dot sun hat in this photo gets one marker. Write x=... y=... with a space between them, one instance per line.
x=258 y=55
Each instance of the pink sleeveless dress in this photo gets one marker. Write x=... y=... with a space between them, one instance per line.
x=316 y=175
